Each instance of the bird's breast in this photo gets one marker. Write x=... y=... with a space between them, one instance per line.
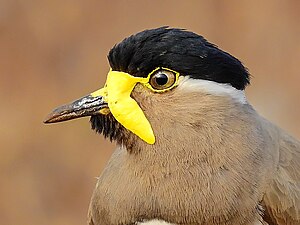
x=178 y=190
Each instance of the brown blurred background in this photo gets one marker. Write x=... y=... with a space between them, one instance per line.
x=54 y=51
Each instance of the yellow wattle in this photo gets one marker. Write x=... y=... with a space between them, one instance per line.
x=125 y=109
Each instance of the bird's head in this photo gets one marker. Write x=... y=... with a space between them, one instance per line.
x=160 y=81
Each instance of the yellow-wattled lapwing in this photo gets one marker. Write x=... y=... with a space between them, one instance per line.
x=191 y=149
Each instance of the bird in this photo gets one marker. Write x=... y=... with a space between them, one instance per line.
x=191 y=149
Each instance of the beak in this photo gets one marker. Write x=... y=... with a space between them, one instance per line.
x=115 y=97
x=86 y=106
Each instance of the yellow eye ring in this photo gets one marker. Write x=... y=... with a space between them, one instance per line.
x=162 y=79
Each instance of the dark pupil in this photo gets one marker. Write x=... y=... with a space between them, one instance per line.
x=161 y=79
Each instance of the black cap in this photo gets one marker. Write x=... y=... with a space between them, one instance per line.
x=180 y=50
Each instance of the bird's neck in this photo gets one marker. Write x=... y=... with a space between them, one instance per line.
x=213 y=153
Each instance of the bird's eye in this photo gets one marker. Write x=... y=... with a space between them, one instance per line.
x=162 y=79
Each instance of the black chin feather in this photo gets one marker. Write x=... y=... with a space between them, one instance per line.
x=108 y=126
x=112 y=129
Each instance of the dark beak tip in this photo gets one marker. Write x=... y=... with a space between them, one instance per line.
x=85 y=106
x=49 y=118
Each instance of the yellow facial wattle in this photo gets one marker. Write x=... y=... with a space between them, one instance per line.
x=117 y=93
x=125 y=109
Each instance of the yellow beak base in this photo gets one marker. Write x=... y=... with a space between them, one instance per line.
x=125 y=109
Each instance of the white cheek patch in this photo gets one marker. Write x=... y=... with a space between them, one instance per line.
x=189 y=84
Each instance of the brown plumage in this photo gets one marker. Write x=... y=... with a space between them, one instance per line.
x=282 y=197
x=234 y=167
x=215 y=161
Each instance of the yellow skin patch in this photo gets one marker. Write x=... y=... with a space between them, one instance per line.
x=125 y=109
